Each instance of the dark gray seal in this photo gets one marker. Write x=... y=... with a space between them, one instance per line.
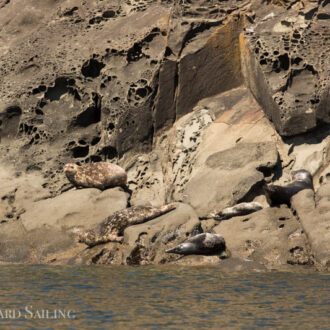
x=236 y=210
x=112 y=228
x=206 y=244
x=276 y=195
x=101 y=175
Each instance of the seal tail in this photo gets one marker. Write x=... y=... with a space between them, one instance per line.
x=167 y=208
x=219 y=217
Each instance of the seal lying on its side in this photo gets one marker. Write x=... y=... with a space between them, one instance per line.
x=236 y=210
x=99 y=175
x=275 y=195
x=206 y=243
x=112 y=228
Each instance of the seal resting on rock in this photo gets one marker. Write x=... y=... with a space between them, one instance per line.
x=112 y=228
x=275 y=195
x=205 y=243
x=236 y=210
x=99 y=175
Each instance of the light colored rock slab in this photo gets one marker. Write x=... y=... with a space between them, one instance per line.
x=80 y=208
x=271 y=236
x=315 y=220
x=228 y=176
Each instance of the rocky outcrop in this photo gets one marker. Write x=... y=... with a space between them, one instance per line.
x=270 y=236
x=229 y=176
x=146 y=243
x=200 y=102
x=285 y=63
x=125 y=80
x=230 y=162
x=47 y=229
x=314 y=217
x=75 y=208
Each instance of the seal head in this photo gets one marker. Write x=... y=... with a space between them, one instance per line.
x=303 y=176
x=70 y=170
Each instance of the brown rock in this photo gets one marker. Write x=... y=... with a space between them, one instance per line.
x=146 y=243
x=315 y=220
x=15 y=246
x=269 y=237
x=50 y=225
x=81 y=208
x=286 y=67
x=228 y=176
x=213 y=64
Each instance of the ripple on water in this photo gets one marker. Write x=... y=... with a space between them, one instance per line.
x=171 y=298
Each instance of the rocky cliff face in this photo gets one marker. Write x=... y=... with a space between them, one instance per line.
x=202 y=102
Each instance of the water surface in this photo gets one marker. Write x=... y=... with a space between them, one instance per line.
x=157 y=298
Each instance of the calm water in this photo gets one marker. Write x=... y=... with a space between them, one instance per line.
x=157 y=298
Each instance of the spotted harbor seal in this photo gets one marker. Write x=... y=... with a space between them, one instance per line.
x=205 y=243
x=236 y=210
x=112 y=228
x=275 y=195
x=99 y=175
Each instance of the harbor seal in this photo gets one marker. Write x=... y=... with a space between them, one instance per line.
x=236 y=210
x=112 y=228
x=275 y=195
x=101 y=175
x=205 y=243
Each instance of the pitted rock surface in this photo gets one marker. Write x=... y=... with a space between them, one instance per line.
x=199 y=102
x=270 y=236
x=285 y=58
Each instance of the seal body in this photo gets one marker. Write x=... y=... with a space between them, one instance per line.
x=205 y=243
x=237 y=210
x=275 y=195
x=112 y=228
x=99 y=175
